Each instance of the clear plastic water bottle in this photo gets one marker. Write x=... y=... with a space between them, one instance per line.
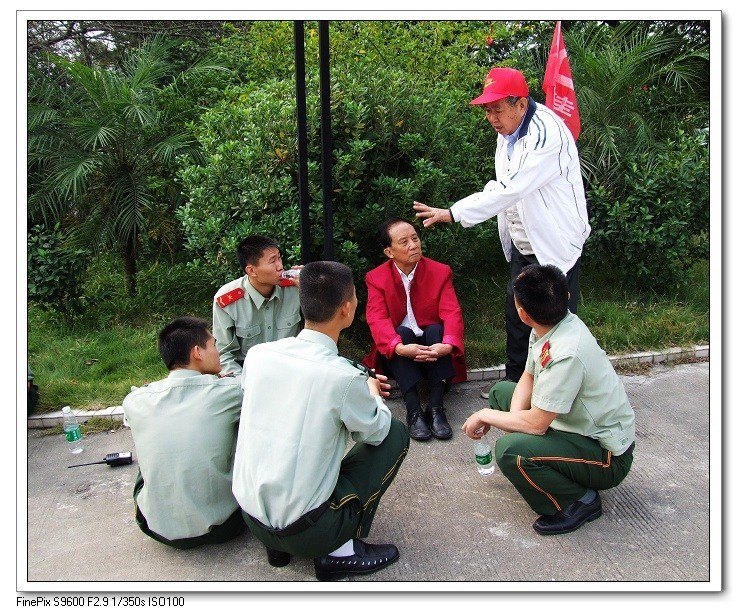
x=72 y=431
x=291 y=273
x=287 y=277
x=483 y=455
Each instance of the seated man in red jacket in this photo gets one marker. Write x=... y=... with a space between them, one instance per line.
x=416 y=324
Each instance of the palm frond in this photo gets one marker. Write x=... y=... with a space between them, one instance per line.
x=48 y=205
x=140 y=112
x=91 y=134
x=40 y=116
x=72 y=175
x=129 y=199
x=166 y=150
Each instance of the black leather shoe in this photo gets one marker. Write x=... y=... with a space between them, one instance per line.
x=277 y=558
x=367 y=558
x=418 y=427
x=570 y=518
x=439 y=425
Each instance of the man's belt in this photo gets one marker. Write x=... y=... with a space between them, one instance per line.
x=306 y=520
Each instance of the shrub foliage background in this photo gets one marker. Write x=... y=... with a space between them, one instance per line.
x=403 y=131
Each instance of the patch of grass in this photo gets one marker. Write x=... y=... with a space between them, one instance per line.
x=646 y=368
x=628 y=319
x=631 y=369
x=623 y=318
x=100 y=424
x=90 y=369
x=91 y=366
x=90 y=426
x=51 y=431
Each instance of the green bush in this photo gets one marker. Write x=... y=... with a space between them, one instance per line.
x=166 y=290
x=392 y=144
x=55 y=272
x=654 y=224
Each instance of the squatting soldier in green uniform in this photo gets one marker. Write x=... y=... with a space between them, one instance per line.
x=254 y=308
x=300 y=494
x=571 y=426
x=184 y=428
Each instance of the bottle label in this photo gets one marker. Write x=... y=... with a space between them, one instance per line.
x=74 y=434
x=484 y=459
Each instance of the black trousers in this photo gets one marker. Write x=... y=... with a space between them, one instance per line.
x=408 y=372
x=366 y=473
x=518 y=333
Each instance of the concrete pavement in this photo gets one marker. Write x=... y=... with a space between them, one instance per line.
x=450 y=524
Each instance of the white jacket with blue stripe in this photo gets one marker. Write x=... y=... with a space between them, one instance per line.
x=543 y=179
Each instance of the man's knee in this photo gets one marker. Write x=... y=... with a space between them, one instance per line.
x=507 y=450
x=407 y=334
x=500 y=396
x=398 y=435
x=434 y=333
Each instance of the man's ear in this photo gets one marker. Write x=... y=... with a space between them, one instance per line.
x=249 y=270
x=196 y=353
x=524 y=316
x=388 y=252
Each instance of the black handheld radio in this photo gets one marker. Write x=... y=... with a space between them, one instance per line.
x=112 y=459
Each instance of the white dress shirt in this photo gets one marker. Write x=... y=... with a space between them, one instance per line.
x=409 y=320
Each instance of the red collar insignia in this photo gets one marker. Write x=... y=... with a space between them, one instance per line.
x=545 y=354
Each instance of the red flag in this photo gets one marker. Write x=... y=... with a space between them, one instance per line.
x=559 y=86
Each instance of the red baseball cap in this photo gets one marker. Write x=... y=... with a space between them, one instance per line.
x=501 y=83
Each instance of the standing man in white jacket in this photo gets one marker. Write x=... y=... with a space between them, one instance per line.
x=538 y=196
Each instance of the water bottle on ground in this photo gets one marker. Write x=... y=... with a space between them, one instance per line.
x=483 y=455
x=72 y=431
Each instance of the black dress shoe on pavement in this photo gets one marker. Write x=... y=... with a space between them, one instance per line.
x=367 y=558
x=439 y=425
x=418 y=427
x=570 y=518
x=278 y=558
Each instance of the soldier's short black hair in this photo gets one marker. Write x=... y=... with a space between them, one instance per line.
x=383 y=232
x=250 y=249
x=543 y=293
x=178 y=338
x=324 y=287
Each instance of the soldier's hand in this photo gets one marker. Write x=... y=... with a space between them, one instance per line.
x=384 y=386
x=474 y=426
x=378 y=386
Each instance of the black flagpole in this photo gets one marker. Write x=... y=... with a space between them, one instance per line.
x=302 y=172
x=326 y=139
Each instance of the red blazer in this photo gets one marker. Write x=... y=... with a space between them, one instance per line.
x=434 y=301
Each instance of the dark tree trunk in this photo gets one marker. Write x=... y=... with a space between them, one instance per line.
x=128 y=254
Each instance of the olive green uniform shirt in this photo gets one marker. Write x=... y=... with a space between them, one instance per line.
x=577 y=381
x=184 y=428
x=301 y=401
x=251 y=320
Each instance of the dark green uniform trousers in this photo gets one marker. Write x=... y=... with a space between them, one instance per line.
x=554 y=470
x=366 y=473
x=232 y=527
